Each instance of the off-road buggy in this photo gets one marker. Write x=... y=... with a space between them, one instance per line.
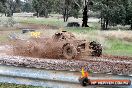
x=62 y=45
x=72 y=47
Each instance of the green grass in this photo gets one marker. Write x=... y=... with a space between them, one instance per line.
x=119 y=47
x=118 y=52
x=8 y=85
x=80 y=29
x=47 y=21
x=112 y=46
x=51 y=21
x=3 y=38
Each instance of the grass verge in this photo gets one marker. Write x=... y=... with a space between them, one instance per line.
x=9 y=85
x=114 y=46
x=46 y=21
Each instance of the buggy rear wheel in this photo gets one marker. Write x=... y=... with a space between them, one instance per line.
x=96 y=48
x=69 y=51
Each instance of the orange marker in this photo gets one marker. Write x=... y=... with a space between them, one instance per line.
x=84 y=73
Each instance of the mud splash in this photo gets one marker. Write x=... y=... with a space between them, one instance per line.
x=60 y=45
x=35 y=47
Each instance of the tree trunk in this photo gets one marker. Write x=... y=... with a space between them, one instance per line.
x=102 y=24
x=5 y=13
x=85 y=17
x=101 y=21
x=46 y=13
x=64 y=15
x=11 y=12
x=37 y=14
x=66 y=18
x=67 y=15
x=106 y=27
x=131 y=24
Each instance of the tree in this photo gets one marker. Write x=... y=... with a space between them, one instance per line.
x=27 y=7
x=36 y=6
x=71 y=8
x=42 y=7
x=66 y=9
x=87 y=5
x=12 y=6
x=112 y=12
x=129 y=14
x=17 y=4
x=75 y=8
x=57 y=6
x=2 y=6
x=85 y=17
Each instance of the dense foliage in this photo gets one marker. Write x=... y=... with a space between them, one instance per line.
x=2 y=5
x=65 y=7
x=112 y=12
x=10 y=6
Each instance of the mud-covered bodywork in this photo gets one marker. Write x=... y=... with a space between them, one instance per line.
x=61 y=45
x=72 y=47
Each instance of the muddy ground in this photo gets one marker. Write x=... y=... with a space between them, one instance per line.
x=112 y=67
x=104 y=64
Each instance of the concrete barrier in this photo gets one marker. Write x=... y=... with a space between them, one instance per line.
x=48 y=78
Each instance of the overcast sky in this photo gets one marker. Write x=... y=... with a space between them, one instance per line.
x=22 y=0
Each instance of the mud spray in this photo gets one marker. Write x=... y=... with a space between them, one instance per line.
x=60 y=45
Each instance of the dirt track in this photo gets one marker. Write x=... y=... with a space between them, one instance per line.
x=115 y=67
x=103 y=64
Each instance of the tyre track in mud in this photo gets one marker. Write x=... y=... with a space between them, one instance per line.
x=94 y=65
x=113 y=59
